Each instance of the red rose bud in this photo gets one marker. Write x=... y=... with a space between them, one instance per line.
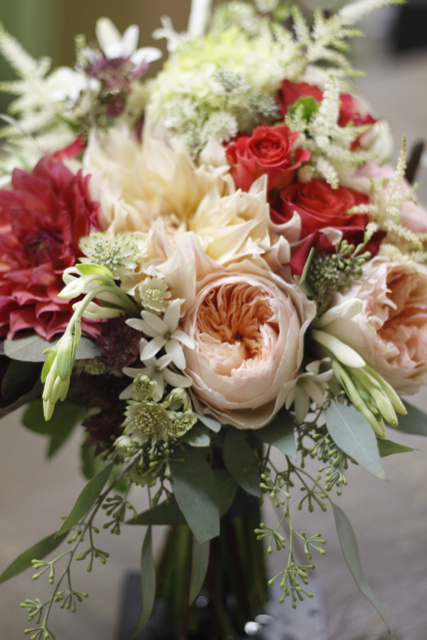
x=320 y=206
x=267 y=152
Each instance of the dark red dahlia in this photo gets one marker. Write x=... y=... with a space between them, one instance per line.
x=42 y=218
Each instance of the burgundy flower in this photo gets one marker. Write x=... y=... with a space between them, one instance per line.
x=320 y=242
x=118 y=343
x=267 y=151
x=42 y=219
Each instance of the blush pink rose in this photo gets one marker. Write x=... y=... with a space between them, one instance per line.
x=249 y=336
x=412 y=215
x=390 y=333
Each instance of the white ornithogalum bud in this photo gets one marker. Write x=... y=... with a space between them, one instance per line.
x=343 y=353
x=347 y=310
x=76 y=286
x=94 y=311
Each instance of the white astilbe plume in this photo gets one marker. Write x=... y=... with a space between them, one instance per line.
x=387 y=197
x=326 y=41
x=329 y=144
x=38 y=128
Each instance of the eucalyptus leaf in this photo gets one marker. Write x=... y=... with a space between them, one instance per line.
x=350 y=551
x=37 y=552
x=30 y=348
x=86 y=499
x=194 y=488
x=241 y=462
x=414 y=422
x=163 y=513
x=66 y=417
x=199 y=567
x=387 y=447
x=92 y=464
x=148 y=580
x=19 y=379
x=209 y=422
x=197 y=436
x=354 y=435
x=226 y=489
x=280 y=433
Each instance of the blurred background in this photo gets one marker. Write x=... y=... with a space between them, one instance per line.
x=390 y=518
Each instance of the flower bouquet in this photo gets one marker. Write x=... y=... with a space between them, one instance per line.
x=215 y=273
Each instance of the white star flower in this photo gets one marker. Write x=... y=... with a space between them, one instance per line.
x=310 y=385
x=156 y=369
x=165 y=333
x=115 y=45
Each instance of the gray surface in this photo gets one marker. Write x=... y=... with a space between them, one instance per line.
x=389 y=517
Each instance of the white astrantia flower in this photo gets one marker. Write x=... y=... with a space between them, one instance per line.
x=115 y=45
x=120 y=253
x=165 y=334
x=153 y=294
x=310 y=385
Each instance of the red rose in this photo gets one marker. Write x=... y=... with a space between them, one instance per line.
x=268 y=151
x=320 y=206
x=42 y=219
x=350 y=111
x=291 y=92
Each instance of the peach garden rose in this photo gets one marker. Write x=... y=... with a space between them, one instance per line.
x=248 y=327
x=390 y=333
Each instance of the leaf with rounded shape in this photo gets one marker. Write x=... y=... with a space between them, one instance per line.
x=350 y=551
x=163 y=513
x=37 y=552
x=209 y=422
x=241 y=462
x=31 y=348
x=194 y=488
x=86 y=499
x=280 y=433
x=352 y=433
x=197 y=436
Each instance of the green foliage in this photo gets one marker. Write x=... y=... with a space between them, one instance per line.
x=194 y=487
x=148 y=577
x=199 y=567
x=306 y=107
x=414 y=422
x=86 y=499
x=197 y=436
x=241 y=461
x=280 y=433
x=353 y=434
x=92 y=464
x=166 y=512
x=209 y=422
x=59 y=428
x=350 y=551
x=31 y=348
x=388 y=447
x=39 y=550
